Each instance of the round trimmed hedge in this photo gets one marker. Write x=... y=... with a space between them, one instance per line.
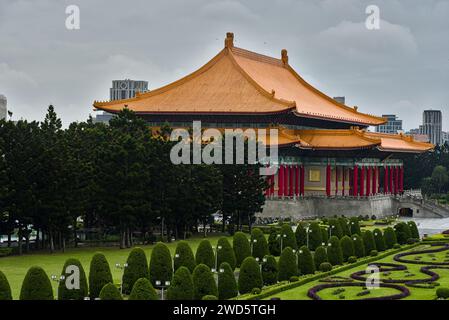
x=227 y=286
x=143 y=290
x=389 y=238
x=368 y=241
x=250 y=276
x=325 y=267
x=110 y=292
x=205 y=254
x=241 y=247
x=379 y=240
x=347 y=247
x=288 y=237
x=414 y=233
x=269 y=270
x=181 y=287
x=137 y=268
x=73 y=294
x=260 y=247
x=320 y=256
x=334 y=253
x=209 y=297
x=36 y=285
x=5 y=288
x=184 y=256
x=442 y=293
x=161 y=268
x=99 y=275
x=359 y=246
x=306 y=265
x=226 y=253
x=203 y=282
x=287 y=265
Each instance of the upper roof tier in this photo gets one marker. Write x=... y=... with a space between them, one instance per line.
x=237 y=81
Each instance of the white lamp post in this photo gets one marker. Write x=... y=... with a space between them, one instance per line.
x=162 y=285
x=58 y=280
x=252 y=245
x=330 y=230
x=122 y=267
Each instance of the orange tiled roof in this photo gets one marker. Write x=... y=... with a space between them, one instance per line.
x=241 y=81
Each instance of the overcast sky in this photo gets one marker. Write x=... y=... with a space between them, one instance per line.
x=402 y=68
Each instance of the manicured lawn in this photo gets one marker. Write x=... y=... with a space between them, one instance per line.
x=15 y=267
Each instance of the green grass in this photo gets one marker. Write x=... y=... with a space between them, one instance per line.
x=15 y=267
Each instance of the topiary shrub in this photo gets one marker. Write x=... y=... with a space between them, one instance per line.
x=269 y=270
x=442 y=293
x=294 y=279
x=347 y=247
x=306 y=264
x=36 y=285
x=325 y=267
x=396 y=246
x=355 y=226
x=137 y=268
x=403 y=232
x=181 y=286
x=256 y=291
x=287 y=264
x=335 y=228
x=209 y=297
x=99 y=275
x=320 y=256
x=5 y=288
x=324 y=235
x=143 y=290
x=64 y=293
x=368 y=241
x=379 y=240
x=288 y=237
x=203 y=282
x=226 y=253
x=412 y=241
x=373 y=253
x=334 y=253
x=344 y=225
x=315 y=236
x=359 y=246
x=260 y=245
x=300 y=235
x=227 y=286
x=352 y=259
x=161 y=268
x=205 y=254
x=389 y=238
x=414 y=233
x=184 y=256
x=250 y=276
x=241 y=247
x=110 y=292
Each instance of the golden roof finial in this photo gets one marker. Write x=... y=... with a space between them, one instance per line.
x=356 y=108
x=229 y=40
x=284 y=56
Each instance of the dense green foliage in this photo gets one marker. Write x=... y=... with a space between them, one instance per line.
x=5 y=289
x=269 y=270
x=324 y=235
x=209 y=297
x=379 y=240
x=414 y=233
x=347 y=247
x=334 y=253
x=335 y=228
x=161 y=267
x=359 y=246
x=181 y=287
x=274 y=242
x=315 y=236
x=184 y=256
x=137 y=268
x=99 y=275
x=355 y=226
x=227 y=286
x=389 y=237
x=250 y=276
x=288 y=238
x=77 y=271
x=143 y=290
x=205 y=254
x=287 y=265
x=226 y=253
x=300 y=235
x=241 y=247
x=306 y=264
x=443 y=293
x=110 y=292
x=259 y=244
x=36 y=285
x=345 y=226
x=403 y=232
x=368 y=241
x=320 y=256
x=325 y=267
x=203 y=282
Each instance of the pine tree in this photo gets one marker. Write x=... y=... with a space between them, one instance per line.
x=227 y=286
x=226 y=253
x=288 y=266
x=241 y=247
x=250 y=276
x=334 y=252
x=181 y=287
x=306 y=265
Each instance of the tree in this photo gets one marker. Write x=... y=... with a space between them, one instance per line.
x=355 y=226
x=315 y=236
x=110 y=292
x=288 y=266
x=203 y=282
x=345 y=226
x=259 y=244
x=65 y=293
x=274 y=243
x=334 y=252
x=288 y=237
x=184 y=256
x=161 y=268
x=301 y=235
x=368 y=241
x=250 y=276
x=36 y=285
x=390 y=238
x=241 y=247
x=306 y=264
x=5 y=289
x=99 y=275
x=269 y=270
x=324 y=235
x=227 y=286
x=379 y=240
x=181 y=287
x=439 y=178
x=205 y=254
x=347 y=247
x=359 y=246
x=226 y=253
x=137 y=268
x=143 y=290
x=414 y=233
x=403 y=232
x=335 y=228
x=320 y=256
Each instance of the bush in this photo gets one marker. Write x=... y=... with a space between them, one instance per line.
x=227 y=286
x=325 y=267
x=73 y=294
x=294 y=279
x=274 y=243
x=288 y=237
x=306 y=264
x=368 y=241
x=209 y=297
x=250 y=276
x=442 y=293
x=36 y=285
x=226 y=253
x=184 y=256
x=110 y=292
x=324 y=235
x=412 y=241
x=352 y=259
x=137 y=268
x=161 y=268
x=373 y=253
x=347 y=247
x=256 y=291
x=5 y=289
x=241 y=247
x=287 y=264
x=403 y=232
x=344 y=225
x=334 y=253
x=143 y=290
x=269 y=271
x=379 y=240
x=359 y=246
x=205 y=254
x=355 y=226
x=315 y=236
x=320 y=256
x=300 y=235
x=4 y=252
x=260 y=247
x=181 y=286
x=413 y=230
x=203 y=282
x=335 y=227
x=99 y=275
x=390 y=238
x=396 y=246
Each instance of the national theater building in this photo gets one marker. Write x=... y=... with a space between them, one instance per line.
x=329 y=163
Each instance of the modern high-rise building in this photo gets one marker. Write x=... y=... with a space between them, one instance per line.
x=432 y=125
x=3 y=109
x=445 y=137
x=394 y=125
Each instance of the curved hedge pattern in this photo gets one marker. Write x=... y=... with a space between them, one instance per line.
x=313 y=292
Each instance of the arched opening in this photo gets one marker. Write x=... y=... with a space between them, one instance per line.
x=406 y=212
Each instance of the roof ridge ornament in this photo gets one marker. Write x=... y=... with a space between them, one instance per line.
x=229 y=40
x=284 y=56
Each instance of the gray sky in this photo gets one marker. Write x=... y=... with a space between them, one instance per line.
x=402 y=68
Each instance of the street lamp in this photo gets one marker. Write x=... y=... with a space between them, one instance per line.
x=58 y=280
x=162 y=286
x=216 y=258
x=308 y=230
x=122 y=267
x=282 y=237
x=175 y=257
x=252 y=245
x=330 y=230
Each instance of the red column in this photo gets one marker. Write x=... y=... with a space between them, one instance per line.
x=292 y=180
x=396 y=180
x=297 y=180
x=390 y=183
x=286 y=180
x=375 y=177
x=336 y=180
x=343 y=181
x=362 y=182
x=301 y=181
x=368 y=181
x=386 y=179
x=328 y=180
x=281 y=181
x=401 y=179
x=355 y=184
x=378 y=179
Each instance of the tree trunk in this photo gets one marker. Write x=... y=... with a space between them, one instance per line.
x=19 y=234
x=204 y=228
x=52 y=242
x=75 y=238
x=122 y=240
x=223 y=224
x=249 y=223
x=63 y=243
x=27 y=243
x=9 y=240
x=36 y=242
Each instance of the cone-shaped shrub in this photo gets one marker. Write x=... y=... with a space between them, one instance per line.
x=320 y=256
x=260 y=246
x=75 y=276
x=315 y=236
x=355 y=226
x=203 y=282
x=403 y=232
x=368 y=241
x=161 y=268
x=413 y=229
x=359 y=246
x=335 y=227
x=5 y=289
x=274 y=243
x=347 y=247
x=143 y=290
x=306 y=265
x=269 y=270
x=324 y=235
x=110 y=292
x=205 y=254
x=184 y=256
x=345 y=227
x=36 y=285
x=99 y=275
x=226 y=253
x=241 y=247
x=250 y=276
x=288 y=266
x=288 y=237
x=227 y=286
x=181 y=287
x=334 y=253
x=390 y=238
x=379 y=240
x=137 y=268
x=300 y=235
